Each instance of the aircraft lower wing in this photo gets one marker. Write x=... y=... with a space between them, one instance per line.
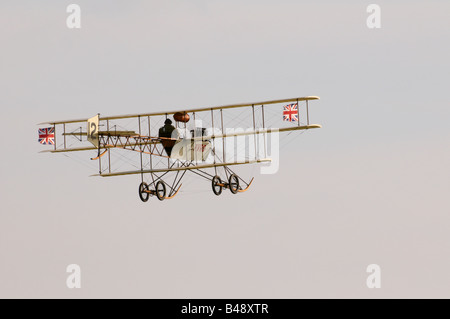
x=184 y=168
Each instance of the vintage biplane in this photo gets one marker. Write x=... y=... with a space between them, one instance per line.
x=205 y=141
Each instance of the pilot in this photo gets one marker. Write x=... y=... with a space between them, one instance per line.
x=166 y=132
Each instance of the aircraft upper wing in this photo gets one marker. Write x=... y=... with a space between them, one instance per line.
x=118 y=117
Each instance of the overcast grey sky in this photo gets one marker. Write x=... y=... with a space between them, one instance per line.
x=371 y=186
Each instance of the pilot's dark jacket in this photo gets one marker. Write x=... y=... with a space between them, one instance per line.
x=166 y=131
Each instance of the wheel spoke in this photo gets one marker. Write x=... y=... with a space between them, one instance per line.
x=143 y=188
x=233 y=183
x=160 y=190
x=216 y=185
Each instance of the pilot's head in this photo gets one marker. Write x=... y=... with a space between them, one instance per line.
x=168 y=121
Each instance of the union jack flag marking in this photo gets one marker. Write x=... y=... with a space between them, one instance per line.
x=290 y=113
x=47 y=136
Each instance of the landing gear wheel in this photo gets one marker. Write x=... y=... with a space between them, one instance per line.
x=160 y=190
x=233 y=183
x=143 y=192
x=216 y=185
